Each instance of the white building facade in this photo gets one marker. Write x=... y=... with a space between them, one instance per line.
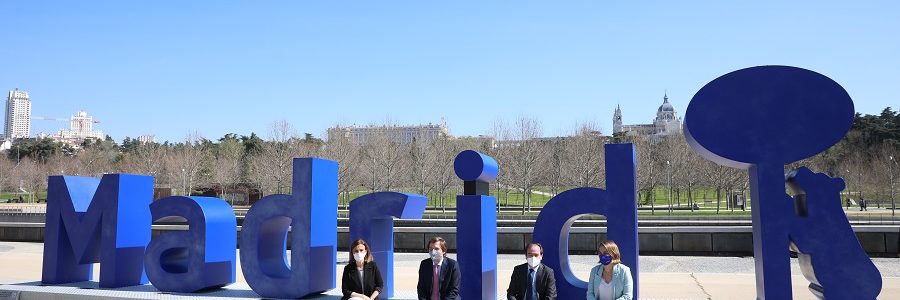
x=666 y=123
x=81 y=126
x=399 y=134
x=18 y=115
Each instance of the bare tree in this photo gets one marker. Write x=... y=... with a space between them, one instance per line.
x=686 y=165
x=502 y=153
x=60 y=165
x=422 y=157
x=94 y=162
x=274 y=162
x=6 y=174
x=648 y=168
x=443 y=177
x=527 y=157
x=583 y=156
x=185 y=161
x=346 y=153
x=852 y=170
x=554 y=162
x=386 y=154
x=150 y=159
x=226 y=164
x=30 y=177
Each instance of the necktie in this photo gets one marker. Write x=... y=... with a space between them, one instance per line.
x=434 y=283
x=530 y=293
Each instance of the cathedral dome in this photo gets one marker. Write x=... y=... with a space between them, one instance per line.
x=666 y=107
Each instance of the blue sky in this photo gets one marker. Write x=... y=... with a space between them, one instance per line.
x=171 y=67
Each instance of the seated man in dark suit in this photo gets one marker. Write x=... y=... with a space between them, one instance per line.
x=532 y=280
x=445 y=286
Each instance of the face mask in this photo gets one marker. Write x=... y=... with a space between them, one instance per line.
x=435 y=255
x=360 y=256
x=605 y=259
x=533 y=261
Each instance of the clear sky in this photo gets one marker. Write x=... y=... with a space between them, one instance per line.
x=171 y=67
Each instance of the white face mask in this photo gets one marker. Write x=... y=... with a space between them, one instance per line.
x=435 y=255
x=533 y=261
x=360 y=256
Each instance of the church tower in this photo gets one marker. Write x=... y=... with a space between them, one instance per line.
x=617 y=120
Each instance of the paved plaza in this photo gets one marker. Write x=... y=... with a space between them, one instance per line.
x=662 y=277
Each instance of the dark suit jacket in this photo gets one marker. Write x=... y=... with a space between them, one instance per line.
x=351 y=284
x=449 y=281
x=545 y=283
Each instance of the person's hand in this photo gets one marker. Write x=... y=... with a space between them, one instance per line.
x=364 y=297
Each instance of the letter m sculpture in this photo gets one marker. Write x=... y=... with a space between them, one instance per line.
x=90 y=221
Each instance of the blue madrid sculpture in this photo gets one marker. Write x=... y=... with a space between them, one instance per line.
x=372 y=219
x=91 y=220
x=200 y=258
x=788 y=114
x=310 y=211
x=617 y=203
x=476 y=226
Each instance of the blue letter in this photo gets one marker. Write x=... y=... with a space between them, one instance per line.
x=90 y=221
x=200 y=258
x=311 y=213
x=786 y=114
x=371 y=219
x=476 y=226
x=617 y=203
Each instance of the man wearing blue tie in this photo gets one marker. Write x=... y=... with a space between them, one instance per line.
x=532 y=280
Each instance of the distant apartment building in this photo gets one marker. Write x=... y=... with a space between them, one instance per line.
x=147 y=138
x=81 y=127
x=18 y=115
x=362 y=135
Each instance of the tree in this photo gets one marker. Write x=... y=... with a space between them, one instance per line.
x=346 y=153
x=150 y=159
x=273 y=163
x=227 y=162
x=527 y=157
x=502 y=153
x=39 y=150
x=554 y=163
x=385 y=155
x=421 y=157
x=130 y=145
x=445 y=151
x=94 y=162
x=185 y=161
x=6 y=175
x=583 y=157
x=31 y=177
x=648 y=161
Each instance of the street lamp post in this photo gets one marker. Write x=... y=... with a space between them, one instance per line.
x=669 y=185
x=891 y=170
x=183 y=183
x=846 y=171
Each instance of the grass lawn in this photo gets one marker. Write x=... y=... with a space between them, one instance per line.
x=6 y=196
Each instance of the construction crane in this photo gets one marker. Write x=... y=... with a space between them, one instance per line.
x=59 y=119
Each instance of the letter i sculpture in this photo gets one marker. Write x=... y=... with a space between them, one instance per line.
x=476 y=226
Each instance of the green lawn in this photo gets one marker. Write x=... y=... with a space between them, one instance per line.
x=6 y=196
x=515 y=200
